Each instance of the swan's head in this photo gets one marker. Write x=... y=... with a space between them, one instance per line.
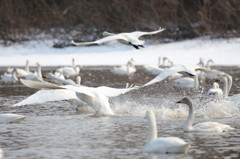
x=185 y=100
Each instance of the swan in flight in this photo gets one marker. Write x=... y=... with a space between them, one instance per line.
x=125 y=69
x=10 y=118
x=201 y=127
x=124 y=38
x=162 y=144
x=191 y=70
x=97 y=98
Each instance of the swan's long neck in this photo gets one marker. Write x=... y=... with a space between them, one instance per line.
x=73 y=63
x=152 y=133
x=208 y=63
x=27 y=66
x=225 y=87
x=229 y=79
x=196 y=81
x=159 y=61
x=189 y=122
x=39 y=71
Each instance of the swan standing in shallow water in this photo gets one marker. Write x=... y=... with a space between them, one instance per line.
x=201 y=127
x=154 y=69
x=69 y=71
x=162 y=144
x=9 y=77
x=124 y=38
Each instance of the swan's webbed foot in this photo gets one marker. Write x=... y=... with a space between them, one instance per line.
x=141 y=46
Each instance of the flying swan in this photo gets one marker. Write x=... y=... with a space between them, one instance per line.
x=201 y=127
x=162 y=144
x=124 y=38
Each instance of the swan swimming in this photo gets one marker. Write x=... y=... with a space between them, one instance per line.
x=10 y=118
x=201 y=127
x=96 y=97
x=9 y=77
x=69 y=71
x=154 y=69
x=23 y=72
x=125 y=69
x=162 y=144
x=124 y=38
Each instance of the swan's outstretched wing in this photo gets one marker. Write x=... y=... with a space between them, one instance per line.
x=137 y=34
x=175 y=69
x=39 y=85
x=80 y=89
x=113 y=92
x=101 y=41
x=67 y=82
x=43 y=96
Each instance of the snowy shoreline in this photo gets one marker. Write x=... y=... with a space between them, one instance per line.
x=221 y=51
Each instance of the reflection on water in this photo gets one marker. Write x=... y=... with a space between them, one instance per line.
x=54 y=130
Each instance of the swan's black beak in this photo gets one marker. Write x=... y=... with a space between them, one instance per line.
x=179 y=101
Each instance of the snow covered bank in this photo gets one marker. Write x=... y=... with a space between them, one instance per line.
x=222 y=51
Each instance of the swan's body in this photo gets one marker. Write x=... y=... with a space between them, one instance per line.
x=125 y=69
x=9 y=77
x=204 y=126
x=154 y=69
x=162 y=144
x=124 y=38
x=11 y=118
x=186 y=82
x=97 y=98
x=36 y=75
x=215 y=90
x=23 y=72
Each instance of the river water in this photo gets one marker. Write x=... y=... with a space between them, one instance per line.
x=55 y=130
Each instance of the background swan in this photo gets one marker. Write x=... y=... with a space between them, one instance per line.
x=23 y=72
x=124 y=38
x=9 y=77
x=162 y=144
x=10 y=118
x=201 y=127
x=187 y=82
x=154 y=69
x=127 y=69
x=215 y=90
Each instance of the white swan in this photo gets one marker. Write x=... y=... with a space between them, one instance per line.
x=9 y=77
x=125 y=69
x=11 y=118
x=201 y=127
x=69 y=71
x=37 y=75
x=154 y=69
x=191 y=70
x=124 y=38
x=97 y=97
x=215 y=90
x=162 y=144
x=23 y=72
x=187 y=82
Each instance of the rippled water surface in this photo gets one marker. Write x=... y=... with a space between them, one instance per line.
x=55 y=130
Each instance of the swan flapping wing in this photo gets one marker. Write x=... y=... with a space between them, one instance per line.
x=101 y=41
x=168 y=72
x=137 y=34
x=39 y=85
x=113 y=92
x=43 y=96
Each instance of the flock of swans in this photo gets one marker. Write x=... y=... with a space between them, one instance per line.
x=95 y=100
